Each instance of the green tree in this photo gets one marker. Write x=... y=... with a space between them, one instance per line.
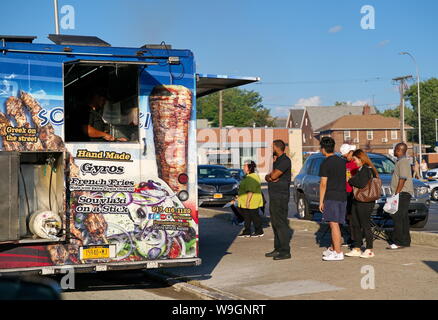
x=429 y=109
x=395 y=113
x=342 y=103
x=241 y=108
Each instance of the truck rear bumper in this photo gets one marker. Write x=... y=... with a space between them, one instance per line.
x=84 y=268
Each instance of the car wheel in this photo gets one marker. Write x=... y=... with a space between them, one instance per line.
x=303 y=207
x=434 y=194
x=419 y=223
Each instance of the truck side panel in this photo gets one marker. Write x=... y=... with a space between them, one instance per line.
x=122 y=202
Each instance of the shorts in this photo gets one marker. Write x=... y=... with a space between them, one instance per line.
x=334 y=211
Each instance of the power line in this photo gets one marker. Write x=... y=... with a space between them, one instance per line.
x=365 y=80
x=292 y=106
x=323 y=81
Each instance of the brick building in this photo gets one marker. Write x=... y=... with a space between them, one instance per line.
x=370 y=132
x=232 y=146
x=300 y=119
x=310 y=119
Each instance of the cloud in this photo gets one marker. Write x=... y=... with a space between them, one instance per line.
x=281 y=112
x=360 y=103
x=307 y=102
x=335 y=29
x=383 y=43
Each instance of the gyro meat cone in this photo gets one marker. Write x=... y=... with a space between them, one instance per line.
x=171 y=107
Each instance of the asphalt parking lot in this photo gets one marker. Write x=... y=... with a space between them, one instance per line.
x=238 y=266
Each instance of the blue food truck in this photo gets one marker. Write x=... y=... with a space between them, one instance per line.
x=98 y=155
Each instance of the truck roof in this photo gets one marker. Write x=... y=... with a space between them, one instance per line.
x=91 y=45
x=79 y=46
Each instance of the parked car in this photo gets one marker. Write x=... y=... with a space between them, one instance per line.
x=433 y=189
x=216 y=185
x=432 y=174
x=237 y=174
x=306 y=190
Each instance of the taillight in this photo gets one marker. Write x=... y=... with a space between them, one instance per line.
x=183 y=178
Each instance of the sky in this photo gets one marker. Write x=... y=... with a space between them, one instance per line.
x=311 y=52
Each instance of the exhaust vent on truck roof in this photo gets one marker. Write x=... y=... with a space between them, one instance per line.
x=63 y=39
x=26 y=39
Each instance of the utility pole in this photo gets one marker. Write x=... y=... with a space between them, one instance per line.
x=221 y=140
x=402 y=88
x=420 y=145
x=220 y=109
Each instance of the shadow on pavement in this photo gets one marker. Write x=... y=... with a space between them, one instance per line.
x=112 y=280
x=216 y=236
x=432 y=264
x=323 y=235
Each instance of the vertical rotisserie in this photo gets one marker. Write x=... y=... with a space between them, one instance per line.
x=171 y=107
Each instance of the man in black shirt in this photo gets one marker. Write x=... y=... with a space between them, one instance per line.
x=279 y=194
x=93 y=126
x=333 y=196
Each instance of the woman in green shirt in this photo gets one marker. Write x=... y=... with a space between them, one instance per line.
x=250 y=200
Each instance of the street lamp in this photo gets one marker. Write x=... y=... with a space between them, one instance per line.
x=419 y=103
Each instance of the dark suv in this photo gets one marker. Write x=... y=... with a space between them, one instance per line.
x=306 y=190
x=216 y=185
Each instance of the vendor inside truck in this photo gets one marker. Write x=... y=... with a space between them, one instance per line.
x=93 y=126
x=101 y=102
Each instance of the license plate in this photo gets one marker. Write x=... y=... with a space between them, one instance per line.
x=97 y=252
x=218 y=196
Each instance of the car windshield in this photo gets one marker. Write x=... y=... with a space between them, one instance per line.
x=213 y=173
x=235 y=172
x=383 y=165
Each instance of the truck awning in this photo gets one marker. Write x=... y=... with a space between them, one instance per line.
x=210 y=83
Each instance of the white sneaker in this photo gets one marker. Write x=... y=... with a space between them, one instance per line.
x=327 y=252
x=367 y=254
x=334 y=257
x=354 y=253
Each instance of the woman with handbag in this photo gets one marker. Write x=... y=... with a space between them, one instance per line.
x=366 y=190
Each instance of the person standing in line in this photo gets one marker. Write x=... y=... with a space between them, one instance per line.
x=361 y=211
x=332 y=196
x=401 y=184
x=347 y=153
x=250 y=200
x=279 y=195
x=416 y=170
x=424 y=168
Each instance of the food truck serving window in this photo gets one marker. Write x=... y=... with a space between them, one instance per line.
x=101 y=101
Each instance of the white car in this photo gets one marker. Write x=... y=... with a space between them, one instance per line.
x=433 y=189
x=432 y=174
